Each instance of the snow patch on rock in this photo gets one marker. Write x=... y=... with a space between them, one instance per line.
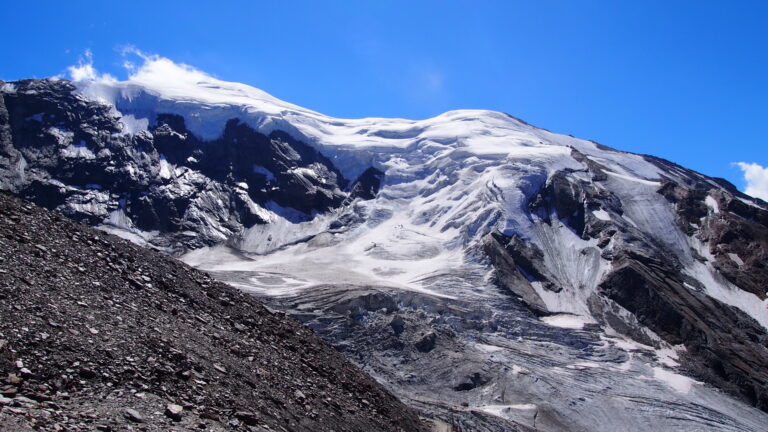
x=679 y=383
x=77 y=151
x=567 y=321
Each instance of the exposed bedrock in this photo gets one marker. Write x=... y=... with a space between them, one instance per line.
x=735 y=231
x=68 y=154
x=648 y=283
x=724 y=346
x=572 y=199
x=515 y=268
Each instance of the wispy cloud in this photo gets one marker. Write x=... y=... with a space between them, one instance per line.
x=139 y=66
x=128 y=51
x=757 y=179
x=84 y=70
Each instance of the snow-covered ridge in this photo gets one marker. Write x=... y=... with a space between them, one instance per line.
x=450 y=179
x=161 y=86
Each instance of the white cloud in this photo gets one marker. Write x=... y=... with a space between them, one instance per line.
x=148 y=68
x=154 y=68
x=757 y=179
x=84 y=70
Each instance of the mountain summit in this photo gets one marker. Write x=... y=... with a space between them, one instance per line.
x=492 y=274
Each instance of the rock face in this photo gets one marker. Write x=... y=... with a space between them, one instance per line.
x=723 y=346
x=649 y=278
x=100 y=334
x=76 y=156
x=736 y=232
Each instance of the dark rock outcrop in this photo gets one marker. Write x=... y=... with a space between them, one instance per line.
x=647 y=286
x=516 y=266
x=571 y=196
x=724 y=346
x=735 y=231
x=368 y=184
x=65 y=153
x=427 y=343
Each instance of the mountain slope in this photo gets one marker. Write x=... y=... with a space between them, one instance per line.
x=98 y=333
x=492 y=273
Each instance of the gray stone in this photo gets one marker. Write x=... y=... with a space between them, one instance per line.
x=133 y=415
x=174 y=411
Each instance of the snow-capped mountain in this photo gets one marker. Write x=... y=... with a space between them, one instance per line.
x=492 y=274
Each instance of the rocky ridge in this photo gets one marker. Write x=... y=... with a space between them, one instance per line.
x=170 y=188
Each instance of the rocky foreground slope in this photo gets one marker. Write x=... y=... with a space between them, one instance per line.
x=99 y=334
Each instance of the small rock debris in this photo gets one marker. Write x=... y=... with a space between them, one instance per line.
x=101 y=348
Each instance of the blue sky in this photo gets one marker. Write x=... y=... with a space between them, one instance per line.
x=687 y=81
